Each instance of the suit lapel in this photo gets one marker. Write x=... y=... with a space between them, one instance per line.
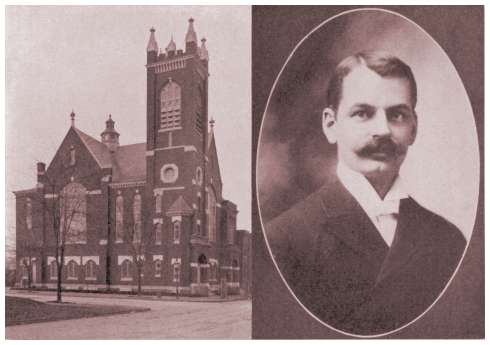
x=347 y=221
x=409 y=232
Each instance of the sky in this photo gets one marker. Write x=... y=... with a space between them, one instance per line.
x=92 y=59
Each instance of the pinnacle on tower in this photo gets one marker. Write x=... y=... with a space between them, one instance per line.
x=171 y=47
x=191 y=34
x=152 y=43
x=203 y=51
x=191 y=38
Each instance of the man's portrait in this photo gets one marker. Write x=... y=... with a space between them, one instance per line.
x=367 y=172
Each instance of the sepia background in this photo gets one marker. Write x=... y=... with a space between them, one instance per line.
x=291 y=151
x=442 y=168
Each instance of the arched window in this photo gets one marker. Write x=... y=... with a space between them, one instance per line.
x=158 y=268
x=72 y=270
x=176 y=231
x=53 y=270
x=90 y=270
x=126 y=270
x=158 y=233
x=72 y=155
x=137 y=218
x=211 y=213
x=29 y=214
x=73 y=208
x=213 y=271
x=119 y=218
x=158 y=203
x=176 y=271
x=170 y=99
x=24 y=270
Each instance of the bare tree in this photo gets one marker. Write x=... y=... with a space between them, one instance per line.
x=67 y=210
x=133 y=235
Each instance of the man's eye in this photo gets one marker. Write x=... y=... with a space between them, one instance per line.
x=362 y=114
x=396 y=116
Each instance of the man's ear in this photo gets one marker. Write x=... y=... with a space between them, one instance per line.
x=414 y=129
x=328 y=124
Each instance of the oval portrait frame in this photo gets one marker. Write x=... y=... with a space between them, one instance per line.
x=296 y=48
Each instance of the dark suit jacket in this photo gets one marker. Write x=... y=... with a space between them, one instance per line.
x=339 y=267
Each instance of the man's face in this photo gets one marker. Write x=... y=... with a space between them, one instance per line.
x=375 y=122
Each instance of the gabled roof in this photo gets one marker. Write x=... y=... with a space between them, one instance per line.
x=179 y=207
x=99 y=151
x=128 y=162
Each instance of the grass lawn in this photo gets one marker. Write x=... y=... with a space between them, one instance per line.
x=23 y=310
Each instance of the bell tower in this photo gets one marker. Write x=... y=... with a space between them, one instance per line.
x=177 y=135
x=177 y=87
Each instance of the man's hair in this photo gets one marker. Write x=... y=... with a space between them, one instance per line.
x=383 y=63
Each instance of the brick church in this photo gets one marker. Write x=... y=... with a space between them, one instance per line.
x=151 y=212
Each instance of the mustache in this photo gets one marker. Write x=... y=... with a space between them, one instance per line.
x=384 y=145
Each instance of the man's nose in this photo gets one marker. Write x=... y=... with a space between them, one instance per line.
x=380 y=125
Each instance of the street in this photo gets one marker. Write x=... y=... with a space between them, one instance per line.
x=166 y=320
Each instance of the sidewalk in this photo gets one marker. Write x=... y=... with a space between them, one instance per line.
x=210 y=299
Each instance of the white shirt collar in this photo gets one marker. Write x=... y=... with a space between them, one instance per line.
x=366 y=195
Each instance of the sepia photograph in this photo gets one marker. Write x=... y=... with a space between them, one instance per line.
x=128 y=185
x=367 y=171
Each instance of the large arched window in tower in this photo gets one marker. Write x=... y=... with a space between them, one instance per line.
x=170 y=102
x=119 y=218
x=211 y=214
x=73 y=211
x=137 y=218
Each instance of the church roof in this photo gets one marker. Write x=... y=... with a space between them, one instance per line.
x=128 y=162
x=179 y=207
x=98 y=150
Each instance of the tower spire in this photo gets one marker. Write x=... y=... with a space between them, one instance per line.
x=191 y=38
x=152 y=42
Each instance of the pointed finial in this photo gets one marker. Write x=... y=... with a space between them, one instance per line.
x=152 y=43
x=72 y=116
x=203 y=51
x=171 y=47
x=211 y=123
x=110 y=122
x=191 y=34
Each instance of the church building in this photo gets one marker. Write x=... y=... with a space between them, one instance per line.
x=151 y=212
